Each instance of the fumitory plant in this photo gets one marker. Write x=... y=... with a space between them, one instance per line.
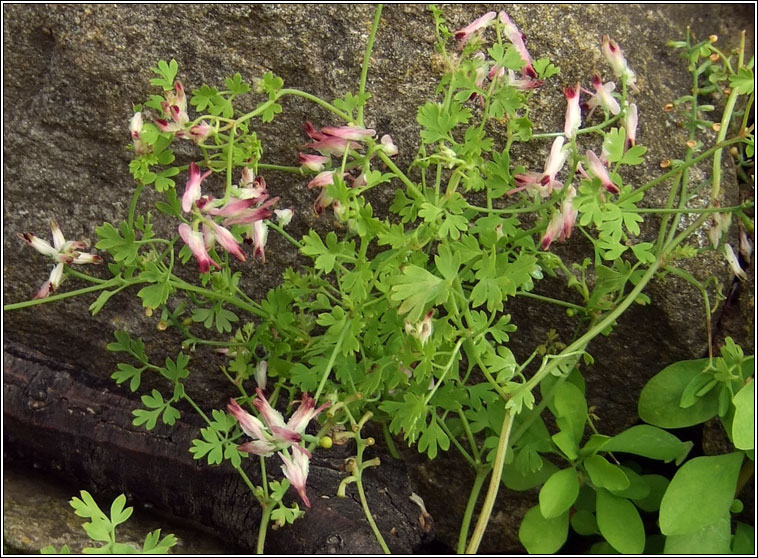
x=402 y=320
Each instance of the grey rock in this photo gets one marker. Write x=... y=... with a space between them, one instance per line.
x=73 y=72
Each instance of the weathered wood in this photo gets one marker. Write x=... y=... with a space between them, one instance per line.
x=62 y=421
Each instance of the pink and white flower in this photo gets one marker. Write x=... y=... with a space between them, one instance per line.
x=296 y=471
x=276 y=434
x=463 y=34
x=388 y=146
x=193 y=192
x=630 y=125
x=597 y=168
x=573 y=112
x=312 y=162
x=349 y=132
x=63 y=252
x=554 y=228
x=518 y=39
x=260 y=235
x=554 y=164
x=603 y=96
x=212 y=231
x=615 y=57
x=195 y=241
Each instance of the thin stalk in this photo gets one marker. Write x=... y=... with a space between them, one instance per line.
x=725 y=120
x=367 y=61
x=263 y=528
x=481 y=476
x=332 y=358
x=369 y=516
x=497 y=473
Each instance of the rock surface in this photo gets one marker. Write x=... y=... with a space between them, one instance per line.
x=73 y=72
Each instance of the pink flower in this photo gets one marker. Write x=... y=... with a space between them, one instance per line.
x=630 y=124
x=321 y=180
x=463 y=34
x=196 y=243
x=200 y=132
x=62 y=252
x=603 y=96
x=312 y=162
x=260 y=235
x=349 y=132
x=615 y=57
x=598 y=169
x=192 y=192
x=224 y=237
x=135 y=129
x=333 y=145
x=554 y=164
x=296 y=471
x=276 y=435
x=517 y=38
x=554 y=228
x=573 y=112
x=568 y=213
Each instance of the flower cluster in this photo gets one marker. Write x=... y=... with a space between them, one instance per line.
x=336 y=141
x=63 y=252
x=248 y=207
x=175 y=108
x=278 y=436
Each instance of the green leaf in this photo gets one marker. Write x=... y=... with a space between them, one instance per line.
x=643 y=250
x=154 y=296
x=438 y=124
x=545 y=69
x=648 y=441
x=620 y=523
x=508 y=58
x=744 y=539
x=540 y=535
x=604 y=474
x=236 y=85
x=120 y=243
x=570 y=409
x=700 y=493
x=167 y=73
x=416 y=288
x=128 y=372
x=163 y=180
x=516 y=478
x=714 y=538
x=155 y=545
x=659 y=400
x=447 y=262
x=408 y=416
x=633 y=155
x=584 y=523
x=559 y=493
x=658 y=485
x=119 y=514
x=743 y=81
x=614 y=143
x=433 y=437
x=743 y=425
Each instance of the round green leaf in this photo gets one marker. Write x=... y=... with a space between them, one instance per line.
x=743 y=425
x=559 y=493
x=620 y=523
x=660 y=398
x=700 y=493
x=714 y=538
x=584 y=523
x=658 y=485
x=648 y=441
x=638 y=489
x=604 y=474
x=540 y=535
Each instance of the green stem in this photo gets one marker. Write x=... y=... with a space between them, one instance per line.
x=263 y=528
x=133 y=204
x=481 y=476
x=725 y=121
x=494 y=486
x=367 y=61
x=554 y=301
x=369 y=516
x=331 y=108
x=332 y=358
x=94 y=288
